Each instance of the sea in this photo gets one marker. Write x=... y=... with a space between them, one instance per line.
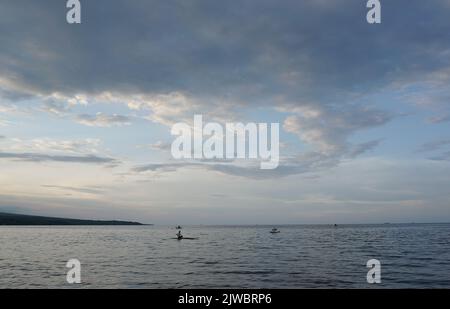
x=300 y=256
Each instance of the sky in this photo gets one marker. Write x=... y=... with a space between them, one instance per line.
x=86 y=110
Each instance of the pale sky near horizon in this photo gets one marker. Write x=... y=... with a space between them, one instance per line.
x=364 y=110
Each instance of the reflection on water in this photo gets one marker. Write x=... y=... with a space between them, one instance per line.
x=411 y=256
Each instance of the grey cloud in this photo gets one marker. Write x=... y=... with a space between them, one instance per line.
x=363 y=148
x=55 y=107
x=434 y=145
x=102 y=120
x=164 y=146
x=228 y=169
x=90 y=190
x=219 y=195
x=160 y=145
x=300 y=164
x=298 y=49
x=256 y=173
x=439 y=119
x=329 y=130
x=441 y=157
x=224 y=169
x=8 y=108
x=37 y=157
x=162 y=167
x=51 y=146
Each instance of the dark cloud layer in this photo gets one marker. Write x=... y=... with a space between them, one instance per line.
x=246 y=49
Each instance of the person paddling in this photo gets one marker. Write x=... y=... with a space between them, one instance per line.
x=179 y=236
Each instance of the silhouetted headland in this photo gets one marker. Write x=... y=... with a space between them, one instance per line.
x=16 y=219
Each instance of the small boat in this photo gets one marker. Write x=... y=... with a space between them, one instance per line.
x=178 y=227
x=274 y=231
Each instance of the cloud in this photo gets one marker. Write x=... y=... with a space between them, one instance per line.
x=216 y=53
x=166 y=109
x=199 y=46
x=430 y=92
x=91 y=190
x=160 y=145
x=39 y=150
x=328 y=132
x=172 y=107
x=102 y=120
x=313 y=60
x=55 y=107
x=37 y=157
x=4 y=123
x=49 y=145
x=363 y=148
x=8 y=108
x=434 y=145
x=88 y=145
x=162 y=167
x=439 y=119
x=299 y=164
x=441 y=157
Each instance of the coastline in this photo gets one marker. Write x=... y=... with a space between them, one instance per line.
x=10 y=219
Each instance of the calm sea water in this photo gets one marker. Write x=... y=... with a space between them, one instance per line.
x=411 y=256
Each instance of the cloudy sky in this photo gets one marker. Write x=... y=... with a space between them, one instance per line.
x=364 y=110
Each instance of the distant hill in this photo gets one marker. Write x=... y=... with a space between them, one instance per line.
x=15 y=219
